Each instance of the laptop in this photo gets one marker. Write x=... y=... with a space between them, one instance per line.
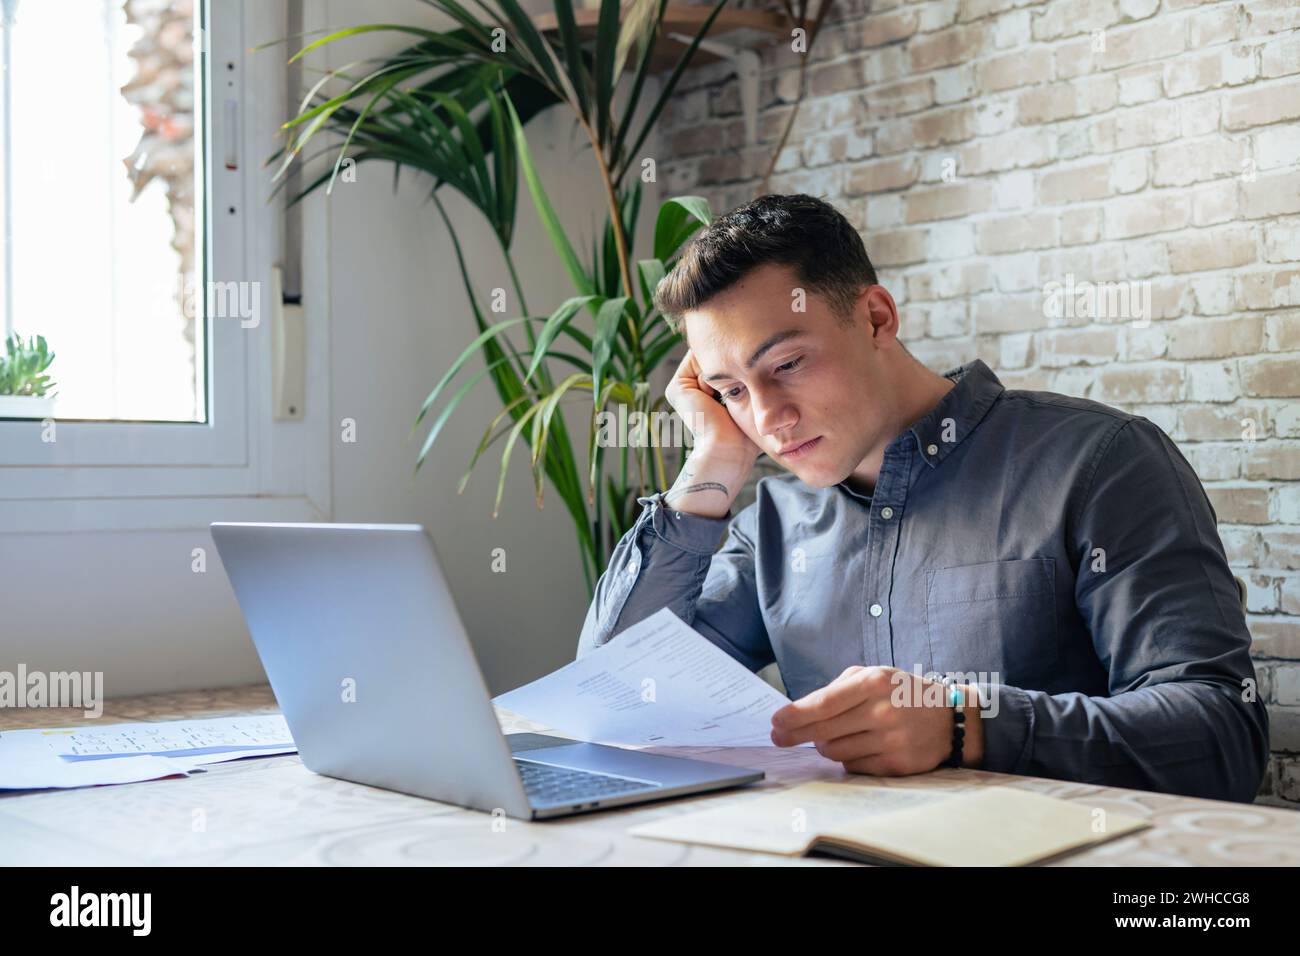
x=378 y=682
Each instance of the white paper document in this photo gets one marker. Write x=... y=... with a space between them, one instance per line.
x=219 y=736
x=658 y=683
x=28 y=763
x=86 y=755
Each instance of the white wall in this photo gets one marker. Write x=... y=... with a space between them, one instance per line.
x=127 y=603
x=399 y=317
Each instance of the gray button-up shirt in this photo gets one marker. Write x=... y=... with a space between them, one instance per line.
x=1057 y=552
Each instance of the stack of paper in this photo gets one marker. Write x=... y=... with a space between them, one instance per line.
x=658 y=683
x=122 y=753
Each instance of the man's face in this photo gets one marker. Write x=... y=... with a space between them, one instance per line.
x=803 y=387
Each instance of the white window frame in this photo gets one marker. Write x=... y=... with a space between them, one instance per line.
x=239 y=465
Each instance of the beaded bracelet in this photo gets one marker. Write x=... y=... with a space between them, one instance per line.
x=959 y=723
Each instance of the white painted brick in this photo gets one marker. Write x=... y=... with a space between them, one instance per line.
x=1241 y=545
x=1289 y=588
x=1143 y=259
x=1013 y=350
x=1128 y=173
x=934 y=162
x=1198 y=115
x=1145 y=345
x=885 y=64
x=1281 y=57
x=792 y=157
x=940 y=356
x=1278 y=146
x=1286 y=684
x=935 y=16
x=1217 y=462
x=1137 y=126
x=1282 y=241
x=1075 y=141
x=1238 y=64
x=949 y=318
x=1215 y=203
x=951 y=240
x=1261 y=593
x=1105 y=263
x=1068 y=19
x=884 y=209
x=1017 y=273
x=1212 y=382
x=1164 y=417
x=994 y=116
x=1077 y=381
x=1094 y=346
x=859 y=143
x=1138 y=9
x=953 y=84
x=1187 y=162
x=1080 y=225
x=1268 y=289
x=1011 y=29
x=1210 y=27
x=1286 y=420
x=1287 y=504
x=1141 y=84
x=1014 y=190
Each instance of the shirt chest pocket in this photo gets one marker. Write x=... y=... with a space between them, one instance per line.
x=998 y=618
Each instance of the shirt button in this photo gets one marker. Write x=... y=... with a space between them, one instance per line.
x=932 y=450
x=876 y=610
x=886 y=512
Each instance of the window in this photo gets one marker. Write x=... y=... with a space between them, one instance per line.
x=101 y=203
x=158 y=305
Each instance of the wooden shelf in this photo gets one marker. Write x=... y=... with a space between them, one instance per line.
x=739 y=28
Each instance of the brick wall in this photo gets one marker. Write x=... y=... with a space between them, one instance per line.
x=992 y=152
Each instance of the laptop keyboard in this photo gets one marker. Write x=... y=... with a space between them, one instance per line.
x=548 y=784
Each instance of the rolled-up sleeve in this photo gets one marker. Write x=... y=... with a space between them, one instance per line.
x=671 y=559
x=1154 y=588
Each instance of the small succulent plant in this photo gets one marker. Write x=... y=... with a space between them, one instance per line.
x=22 y=367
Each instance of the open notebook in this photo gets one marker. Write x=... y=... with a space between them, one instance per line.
x=986 y=826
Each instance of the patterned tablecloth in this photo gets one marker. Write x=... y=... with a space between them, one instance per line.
x=274 y=811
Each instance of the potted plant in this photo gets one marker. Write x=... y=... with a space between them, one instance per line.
x=452 y=105
x=24 y=388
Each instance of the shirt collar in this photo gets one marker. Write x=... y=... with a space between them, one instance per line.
x=946 y=425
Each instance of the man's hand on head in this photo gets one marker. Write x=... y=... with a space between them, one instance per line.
x=722 y=456
x=700 y=407
x=881 y=721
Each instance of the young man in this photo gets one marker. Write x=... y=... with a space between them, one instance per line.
x=1058 y=554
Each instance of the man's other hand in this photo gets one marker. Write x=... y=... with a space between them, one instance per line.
x=882 y=721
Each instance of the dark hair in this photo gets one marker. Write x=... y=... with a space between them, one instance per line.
x=801 y=231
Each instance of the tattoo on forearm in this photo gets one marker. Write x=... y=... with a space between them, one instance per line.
x=702 y=486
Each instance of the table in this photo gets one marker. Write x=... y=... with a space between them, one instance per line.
x=273 y=811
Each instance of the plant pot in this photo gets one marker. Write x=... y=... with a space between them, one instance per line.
x=26 y=406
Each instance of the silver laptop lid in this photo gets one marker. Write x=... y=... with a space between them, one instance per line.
x=369 y=660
